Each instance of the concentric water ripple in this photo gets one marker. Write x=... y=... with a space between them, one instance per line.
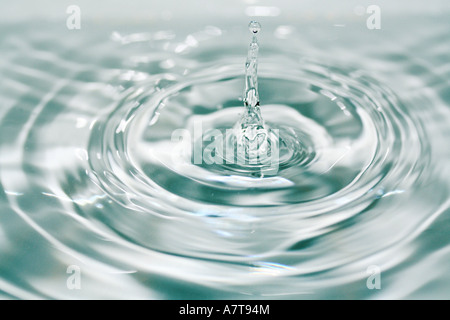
x=91 y=175
x=361 y=143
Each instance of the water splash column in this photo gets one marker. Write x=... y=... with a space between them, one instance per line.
x=251 y=95
x=251 y=133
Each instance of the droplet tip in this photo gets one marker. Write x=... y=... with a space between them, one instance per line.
x=254 y=27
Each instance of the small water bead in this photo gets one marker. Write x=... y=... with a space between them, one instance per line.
x=254 y=26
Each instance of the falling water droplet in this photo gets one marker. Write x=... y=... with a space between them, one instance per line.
x=254 y=26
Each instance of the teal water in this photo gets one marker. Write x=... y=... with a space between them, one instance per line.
x=90 y=175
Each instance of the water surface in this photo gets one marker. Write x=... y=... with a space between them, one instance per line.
x=90 y=175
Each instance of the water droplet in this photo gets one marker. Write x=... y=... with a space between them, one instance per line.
x=254 y=26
